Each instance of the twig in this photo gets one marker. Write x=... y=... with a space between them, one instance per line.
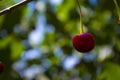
x=14 y=6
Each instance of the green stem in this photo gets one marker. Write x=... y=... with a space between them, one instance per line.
x=81 y=24
x=117 y=8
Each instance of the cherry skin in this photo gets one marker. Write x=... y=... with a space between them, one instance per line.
x=1 y=67
x=83 y=42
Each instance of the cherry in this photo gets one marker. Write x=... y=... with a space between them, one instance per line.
x=83 y=42
x=1 y=67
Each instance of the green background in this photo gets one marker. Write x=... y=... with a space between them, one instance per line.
x=59 y=23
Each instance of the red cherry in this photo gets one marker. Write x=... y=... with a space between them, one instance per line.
x=1 y=67
x=83 y=42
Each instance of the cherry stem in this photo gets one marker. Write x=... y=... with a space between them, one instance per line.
x=80 y=13
x=117 y=8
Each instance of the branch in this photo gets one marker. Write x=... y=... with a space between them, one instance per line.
x=14 y=6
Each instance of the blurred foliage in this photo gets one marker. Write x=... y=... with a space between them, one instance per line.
x=56 y=24
x=7 y=3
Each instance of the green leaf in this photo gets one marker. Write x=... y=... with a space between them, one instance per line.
x=4 y=42
x=65 y=8
x=6 y=3
x=16 y=49
x=111 y=72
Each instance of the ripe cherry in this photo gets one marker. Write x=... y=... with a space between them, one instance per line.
x=1 y=67
x=83 y=42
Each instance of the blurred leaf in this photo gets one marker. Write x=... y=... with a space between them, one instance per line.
x=4 y=42
x=64 y=9
x=11 y=19
x=111 y=72
x=1 y=19
x=6 y=3
x=16 y=49
x=3 y=2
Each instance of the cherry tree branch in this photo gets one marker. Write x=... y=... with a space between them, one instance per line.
x=14 y=6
